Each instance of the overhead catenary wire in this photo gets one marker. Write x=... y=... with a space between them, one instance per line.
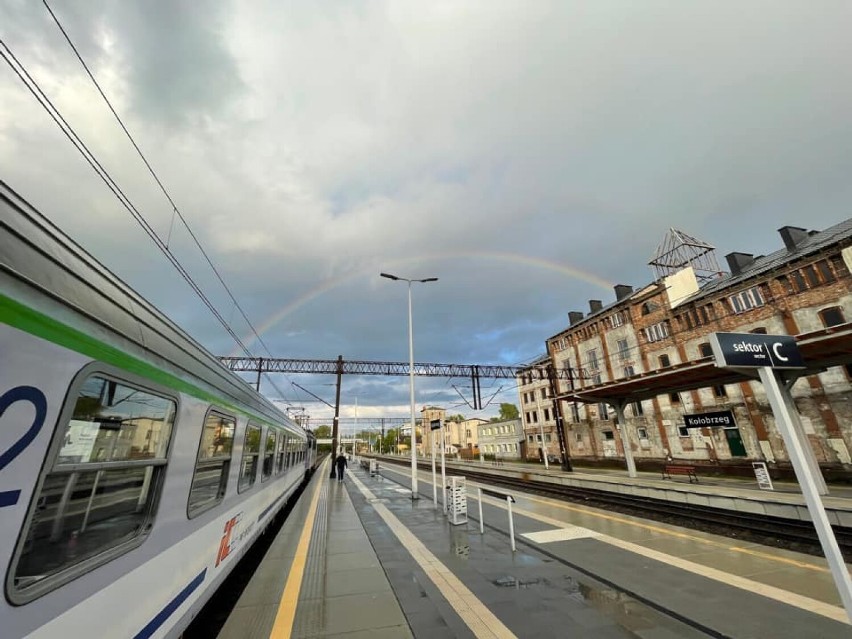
x=45 y=102
x=174 y=206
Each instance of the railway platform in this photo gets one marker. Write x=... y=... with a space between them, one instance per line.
x=362 y=559
x=725 y=493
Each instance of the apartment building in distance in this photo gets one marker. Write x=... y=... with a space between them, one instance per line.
x=460 y=437
x=804 y=287
x=537 y=410
x=503 y=439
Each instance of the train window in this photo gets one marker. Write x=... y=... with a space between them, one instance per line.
x=210 y=479
x=251 y=454
x=101 y=486
x=280 y=461
x=269 y=454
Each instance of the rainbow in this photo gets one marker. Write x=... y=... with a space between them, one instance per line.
x=371 y=268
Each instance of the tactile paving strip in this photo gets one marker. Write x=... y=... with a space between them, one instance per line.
x=311 y=614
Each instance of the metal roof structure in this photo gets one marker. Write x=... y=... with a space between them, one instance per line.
x=820 y=349
x=679 y=250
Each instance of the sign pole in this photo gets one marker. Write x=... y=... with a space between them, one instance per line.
x=443 y=471
x=798 y=431
x=434 y=479
x=775 y=392
x=625 y=441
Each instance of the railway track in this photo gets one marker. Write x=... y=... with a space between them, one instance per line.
x=764 y=529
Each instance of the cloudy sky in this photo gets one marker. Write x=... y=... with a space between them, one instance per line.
x=530 y=154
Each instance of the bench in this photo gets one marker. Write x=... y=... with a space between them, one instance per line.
x=689 y=471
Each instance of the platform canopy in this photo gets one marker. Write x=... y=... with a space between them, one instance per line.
x=820 y=349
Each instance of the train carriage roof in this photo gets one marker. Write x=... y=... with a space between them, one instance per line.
x=71 y=283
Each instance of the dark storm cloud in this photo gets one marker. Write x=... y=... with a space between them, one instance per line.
x=180 y=68
x=523 y=153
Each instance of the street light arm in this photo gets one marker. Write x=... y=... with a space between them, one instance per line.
x=389 y=276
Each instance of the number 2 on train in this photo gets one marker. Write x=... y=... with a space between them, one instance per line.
x=35 y=397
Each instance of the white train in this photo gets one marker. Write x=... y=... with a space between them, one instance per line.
x=134 y=469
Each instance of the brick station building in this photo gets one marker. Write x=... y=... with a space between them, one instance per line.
x=803 y=287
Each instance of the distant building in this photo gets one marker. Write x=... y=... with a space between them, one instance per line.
x=503 y=439
x=537 y=410
x=801 y=288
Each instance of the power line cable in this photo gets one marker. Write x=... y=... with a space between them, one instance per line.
x=18 y=68
x=165 y=192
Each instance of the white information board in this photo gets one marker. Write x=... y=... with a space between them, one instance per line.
x=457 y=500
x=764 y=481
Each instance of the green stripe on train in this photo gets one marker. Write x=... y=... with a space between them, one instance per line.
x=31 y=321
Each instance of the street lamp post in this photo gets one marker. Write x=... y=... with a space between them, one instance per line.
x=414 y=493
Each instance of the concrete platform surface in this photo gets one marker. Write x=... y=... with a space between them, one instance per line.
x=362 y=559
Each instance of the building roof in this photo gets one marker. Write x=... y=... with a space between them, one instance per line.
x=817 y=241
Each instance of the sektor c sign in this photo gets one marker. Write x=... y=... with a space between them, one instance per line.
x=751 y=350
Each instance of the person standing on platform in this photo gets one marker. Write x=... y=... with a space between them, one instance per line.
x=341 y=464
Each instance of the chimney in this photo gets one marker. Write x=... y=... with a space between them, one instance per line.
x=739 y=261
x=793 y=236
x=595 y=305
x=574 y=317
x=622 y=291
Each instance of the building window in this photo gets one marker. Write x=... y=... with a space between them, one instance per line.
x=578 y=437
x=798 y=281
x=547 y=414
x=674 y=398
x=760 y=330
x=544 y=393
x=534 y=416
x=593 y=359
x=832 y=316
x=746 y=300
x=99 y=493
x=657 y=332
x=649 y=307
x=665 y=362
x=603 y=411
x=719 y=391
x=638 y=411
x=811 y=275
x=642 y=432
x=575 y=413
x=623 y=351
x=628 y=371
x=608 y=435
x=839 y=265
x=617 y=320
x=786 y=284
x=683 y=431
x=825 y=271
x=705 y=349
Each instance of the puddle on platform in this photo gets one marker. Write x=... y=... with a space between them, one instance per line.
x=460 y=542
x=630 y=614
x=513 y=582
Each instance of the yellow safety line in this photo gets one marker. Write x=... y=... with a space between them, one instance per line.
x=283 y=626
